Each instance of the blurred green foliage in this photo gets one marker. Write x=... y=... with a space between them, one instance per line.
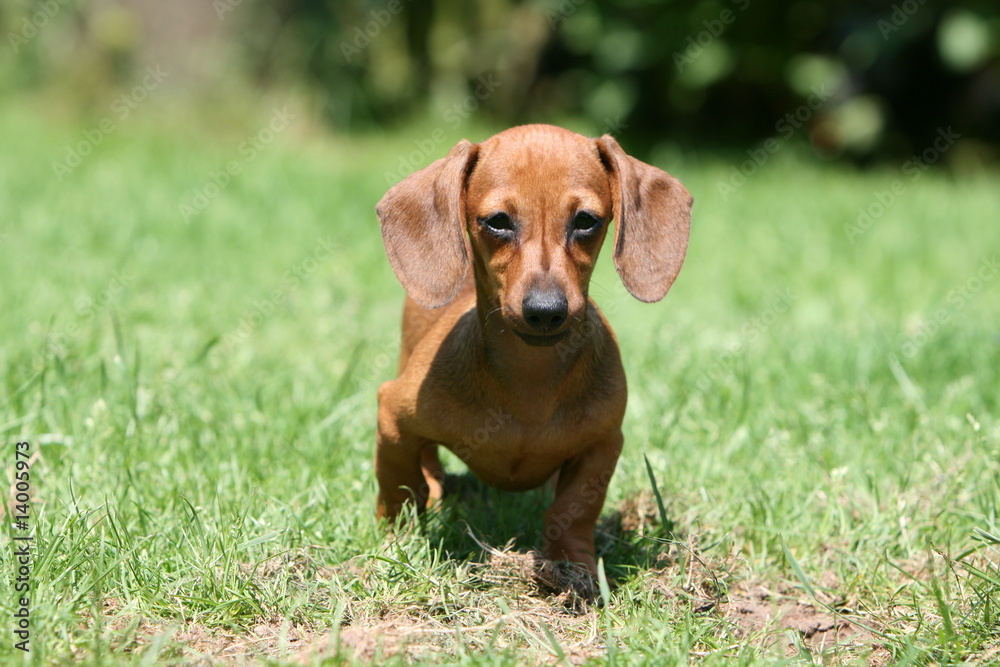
x=857 y=78
x=883 y=75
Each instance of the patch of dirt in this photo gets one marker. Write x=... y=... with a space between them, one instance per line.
x=209 y=646
x=543 y=600
x=770 y=617
x=192 y=643
x=415 y=637
x=372 y=640
x=196 y=644
x=880 y=656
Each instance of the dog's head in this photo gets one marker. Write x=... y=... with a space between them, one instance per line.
x=533 y=205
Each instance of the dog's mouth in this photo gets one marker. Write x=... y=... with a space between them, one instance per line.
x=542 y=341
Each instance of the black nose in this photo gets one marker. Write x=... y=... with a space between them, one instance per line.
x=545 y=310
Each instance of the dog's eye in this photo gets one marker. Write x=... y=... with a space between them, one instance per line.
x=585 y=223
x=498 y=224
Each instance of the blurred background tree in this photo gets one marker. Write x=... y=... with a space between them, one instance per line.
x=856 y=79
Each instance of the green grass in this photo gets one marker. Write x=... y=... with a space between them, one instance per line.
x=201 y=398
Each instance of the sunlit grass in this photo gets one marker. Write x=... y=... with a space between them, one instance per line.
x=202 y=396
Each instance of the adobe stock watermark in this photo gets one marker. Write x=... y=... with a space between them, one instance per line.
x=785 y=128
x=780 y=304
x=957 y=299
x=248 y=149
x=713 y=29
x=30 y=26
x=562 y=11
x=121 y=109
x=901 y=13
x=912 y=169
x=363 y=35
x=454 y=116
x=378 y=365
x=261 y=309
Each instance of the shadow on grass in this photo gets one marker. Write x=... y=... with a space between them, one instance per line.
x=472 y=516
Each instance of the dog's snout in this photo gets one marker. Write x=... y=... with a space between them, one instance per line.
x=545 y=310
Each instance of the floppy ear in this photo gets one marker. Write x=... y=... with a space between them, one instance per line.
x=653 y=217
x=423 y=227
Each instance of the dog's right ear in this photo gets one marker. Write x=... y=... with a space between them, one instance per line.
x=423 y=227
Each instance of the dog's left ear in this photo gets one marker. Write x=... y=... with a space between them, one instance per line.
x=423 y=227
x=653 y=218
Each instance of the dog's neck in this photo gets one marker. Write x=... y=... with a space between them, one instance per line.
x=516 y=364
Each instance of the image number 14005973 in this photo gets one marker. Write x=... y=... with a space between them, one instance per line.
x=21 y=542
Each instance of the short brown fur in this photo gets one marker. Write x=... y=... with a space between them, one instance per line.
x=505 y=360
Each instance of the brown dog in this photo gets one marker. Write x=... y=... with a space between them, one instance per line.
x=510 y=365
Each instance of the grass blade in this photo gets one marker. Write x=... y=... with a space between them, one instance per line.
x=602 y=582
x=797 y=569
x=556 y=647
x=659 y=499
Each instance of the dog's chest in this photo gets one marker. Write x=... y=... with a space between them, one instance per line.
x=516 y=447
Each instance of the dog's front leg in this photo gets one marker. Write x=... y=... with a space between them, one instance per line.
x=580 y=491
x=397 y=463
